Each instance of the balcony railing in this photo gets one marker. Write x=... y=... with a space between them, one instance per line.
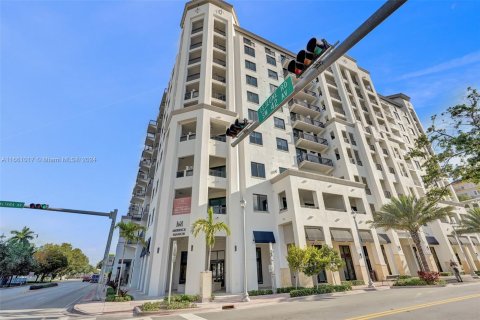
x=379 y=167
x=197 y=29
x=310 y=137
x=217 y=173
x=185 y=173
x=186 y=137
x=191 y=95
x=219 y=61
x=310 y=92
x=315 y=159
x=338 y=110
x=222 y=138
x=194 y=60
x=220 y=31
x=304 y=104
x=298 y=117
x=219 y=96
x=220 y=46
x=219 y=78
x=196 y=45
x=219 y=209
x=372 y=147
x=193 y=76
x=388 y=195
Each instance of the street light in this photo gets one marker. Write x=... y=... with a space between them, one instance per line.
x=245 y=298
x=472 y=272
x=370 y=282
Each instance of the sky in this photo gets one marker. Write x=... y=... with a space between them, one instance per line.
x=83 y=78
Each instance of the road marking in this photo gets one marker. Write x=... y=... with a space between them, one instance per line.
x=414 y=307
x=191 y=316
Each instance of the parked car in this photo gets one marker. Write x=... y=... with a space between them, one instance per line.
x=95 y=278
x=86 y=278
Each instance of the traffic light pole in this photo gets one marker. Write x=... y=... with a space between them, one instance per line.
x=113 y=216
x=371 y=23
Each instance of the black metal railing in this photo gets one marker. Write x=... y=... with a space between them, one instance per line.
x=220 y=46
x=197 y=29
x=194 y=60
x=222 y=138
x=193 y=76
x=298 y=117
x=185 y=173
x=195 y=45
x=219 y=96
x=222 y=32
x=186 y=137
x=219 y=78
x=310 y=137
x=219 y=61
x=304 y=104
x=315 y=159
x=191 y=95
x=217 y=173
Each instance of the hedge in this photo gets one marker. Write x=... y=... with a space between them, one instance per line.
x=260 y=292
x=183 y=298
x=320 y=290
x=115 y=298
x=410 y=282
x=445 y=274
x=354 y=282
x=41 y=286
x=477 y=273
x=288 y=289
x=164 y=305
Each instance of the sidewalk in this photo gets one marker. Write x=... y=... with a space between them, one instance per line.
x=88 y=307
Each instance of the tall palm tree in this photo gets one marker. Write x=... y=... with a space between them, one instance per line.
x=470 y=222
x=210 y=228
x=131 y=234
x=25 y=235
x=410 y=214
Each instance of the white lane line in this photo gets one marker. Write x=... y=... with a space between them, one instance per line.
x=191 y=316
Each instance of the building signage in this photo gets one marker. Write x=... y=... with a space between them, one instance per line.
x=276 y=98
x=179 y=230
x=182 y=205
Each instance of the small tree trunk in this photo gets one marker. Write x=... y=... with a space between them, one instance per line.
x=423 y=259
x=207 y=268
x=10 y=281
x=296 y=280
x=121 y=268
x=36 y=279
x=333 y=278
x=43 y=276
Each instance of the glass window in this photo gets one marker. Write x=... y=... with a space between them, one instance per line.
x=258 y=169
x=251 y=80
x=279 y=123
x=282 y=144
x=256 y=137
x=273 y=88
x=252 y=97
x=282 y=169
x=248 y=41
x=218 y=205
x=249 y=51
x=271 y=60
x=272 y=74
x=252 y=115
x=250 y=65
x=260 y=202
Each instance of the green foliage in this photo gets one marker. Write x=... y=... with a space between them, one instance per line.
x=287 y=289
x=16 y=258
x=260 y=292
x=183 y=298
x=456 y=143
x=314 y=261
x=463 y=197
x=470 y=222
x=404 y=276
x=24 y=236
x=296 y=260
x=164 y=305
x=477 y=273
x=41 y=286
x=50 y=259
x=320 y=290
x=77 y=261
x=210 y=228
x=445 y=274
x=410 y=282
x=410 y=214
x=115 y=298
x=151 y=306
x=354 y=283
x=332 y=258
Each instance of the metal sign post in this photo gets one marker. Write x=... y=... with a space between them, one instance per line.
x=174 y=256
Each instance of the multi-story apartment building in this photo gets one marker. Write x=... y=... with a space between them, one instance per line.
x=337 y=149
x=467 y=190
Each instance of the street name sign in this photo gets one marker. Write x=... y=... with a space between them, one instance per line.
x=11 y=204
x=275 y=99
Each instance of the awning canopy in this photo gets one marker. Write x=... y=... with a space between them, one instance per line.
x=341 y=235
x=383 y=238
x=431 y=240
x=452 y=240
x=263 y=237
x=475 y=241
x=314 y=234
x=365 y=236
x=464 y=240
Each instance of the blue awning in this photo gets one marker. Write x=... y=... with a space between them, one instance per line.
x=263 y=237
x=431 y=240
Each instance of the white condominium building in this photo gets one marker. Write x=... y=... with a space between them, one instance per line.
x=334 y=151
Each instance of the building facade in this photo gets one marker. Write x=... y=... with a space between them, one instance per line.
x=334 y=151
x=466 y=190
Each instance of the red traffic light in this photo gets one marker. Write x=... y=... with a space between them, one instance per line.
x=38 y=206
x=305 y=58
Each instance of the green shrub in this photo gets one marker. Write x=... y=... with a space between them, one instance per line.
x=151 y=306
x=445 y=274
x=183 y=298
x=321 y=289
x=404 y=276
x=110 y=291
x=302 y=292
x=354 y=282
x=260 y=292
x=164 y=305
x=477 y=273
x=288 y=289
x=115 y=298
x=41 y=286
x=410 y=282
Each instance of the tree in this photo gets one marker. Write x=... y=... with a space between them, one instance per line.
x=314 y=261
x=456 y=141
x=333 y=261
x=210 y=228
x=77 y=260
x=296 y=261
x=50 y=260
x=131 y=234
x=410 y=214
x=470 y=222
x=16 y=258
x=25 y=235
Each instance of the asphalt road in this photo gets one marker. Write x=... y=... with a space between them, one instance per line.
x=460 y=302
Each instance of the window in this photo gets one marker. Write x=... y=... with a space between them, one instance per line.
x=249 y=42
x=271 y=60
x=402 y=127
x=273 y=88
x=252 y=115
x=282 y=169
x=411 y=131
x=279 y=123
x=251 y=80
x=250 y=65
x=218 y=205
x=282 y=144
x=252 y=97
x=260 y=202
x=258 y=170
x=256 y=137
x=259 y=265
x=249 y=51
x=396 y=116
x=272 y=74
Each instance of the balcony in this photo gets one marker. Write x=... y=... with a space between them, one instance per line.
x=219 y=46
x=307 y=95
x=150 y=139
x=220 y=62
x=387 y=194
x=219 y=78
x=220 y=31
x=192 y=77
x=220 y=137
x=309 y=141
x=304 y=108
x=191 y=95
x=198 y=29
x=152 y=126
x=372 y=147
x=186 y=137
x=220 y=209
x=194 y=60
x=195 y=45
x=185 y=173
x=219 y=96
x=138 y=196
x=221 y=173
x=142 y=179
x=147 y=152
x=378 y=166
x=307 y=124
x=314 y=163
x=145 y=165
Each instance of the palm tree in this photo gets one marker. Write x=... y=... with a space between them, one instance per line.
x=470 y=222
x=131 y=233
x=410 y=214
x=210 y=228
x=24 y=236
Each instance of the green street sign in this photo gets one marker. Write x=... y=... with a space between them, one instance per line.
x=11 y=204
x=276 y=98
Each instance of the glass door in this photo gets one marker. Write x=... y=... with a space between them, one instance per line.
x=348 y=270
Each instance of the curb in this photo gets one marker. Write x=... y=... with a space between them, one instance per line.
x=413 y=287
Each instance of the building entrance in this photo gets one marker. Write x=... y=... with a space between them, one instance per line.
x=348 y=270
x=217 y=266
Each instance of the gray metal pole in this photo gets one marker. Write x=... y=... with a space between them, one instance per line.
x=113 y=217
x=245 y=298
x=371 y=23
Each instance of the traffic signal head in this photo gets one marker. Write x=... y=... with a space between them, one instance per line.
x=317 y=46
x=305 y=58
x=38 y=206
x=236 y=127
